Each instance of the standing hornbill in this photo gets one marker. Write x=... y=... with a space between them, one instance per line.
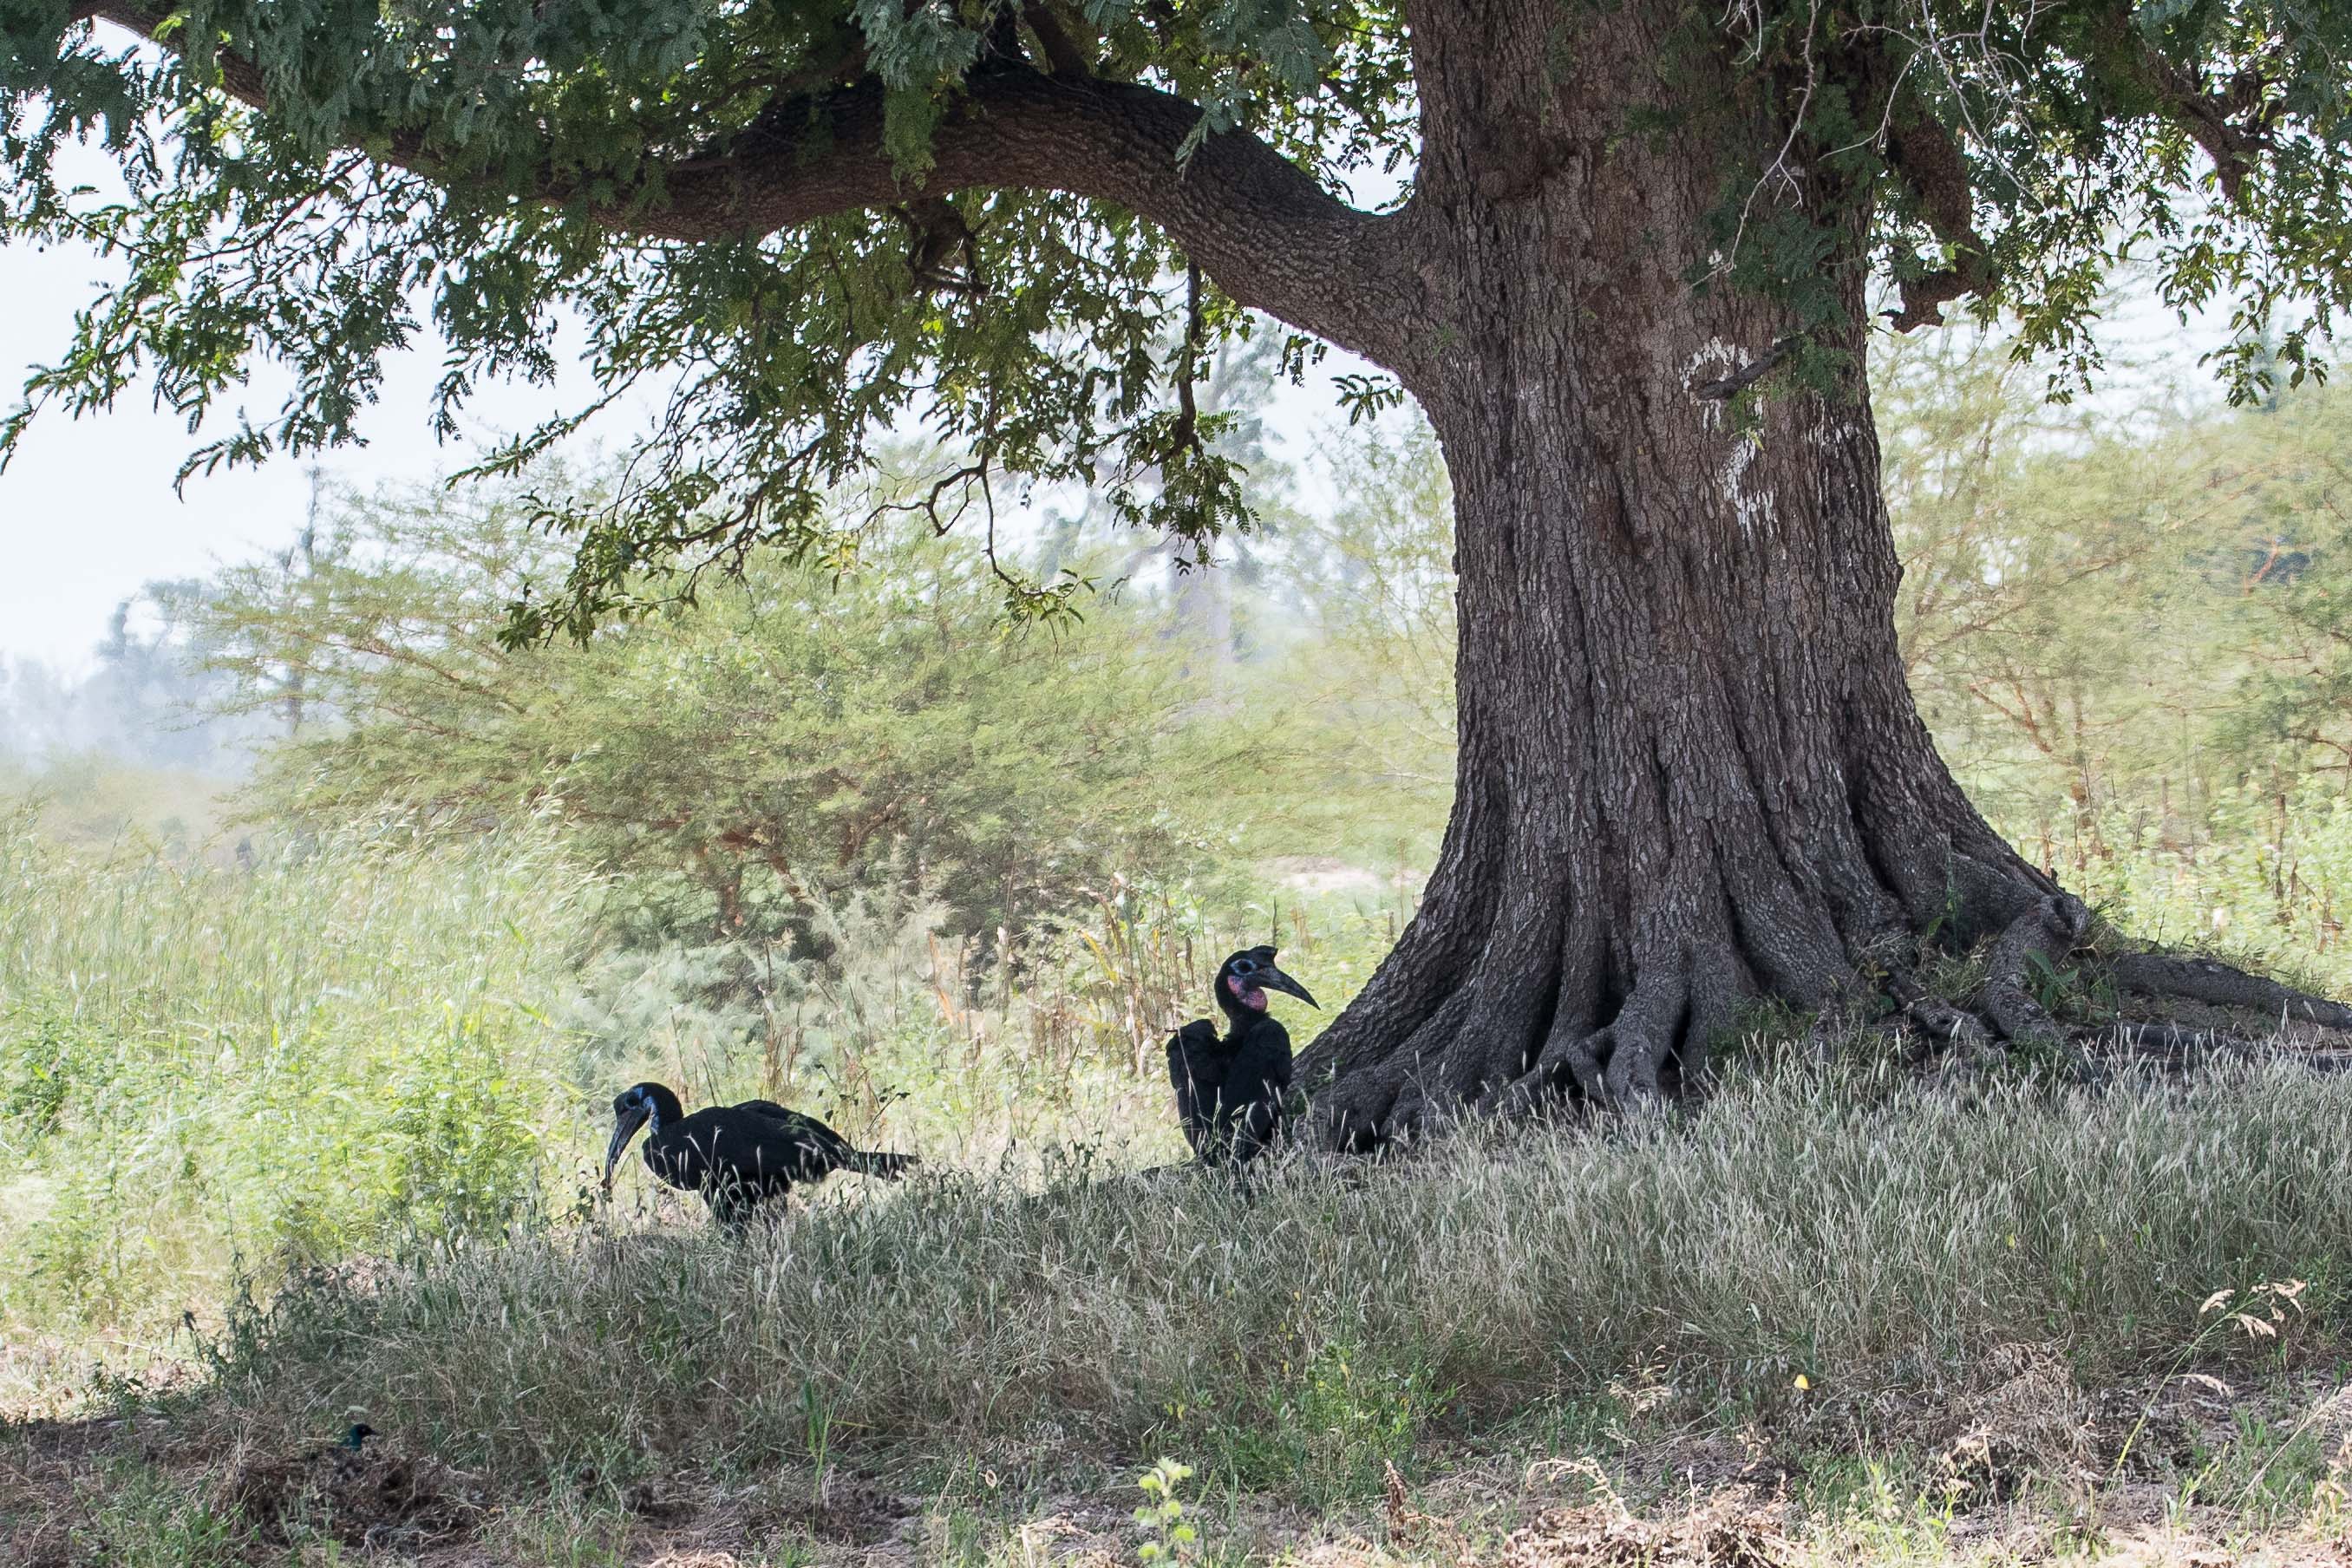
x=1228 y=1090
x=736 y=1156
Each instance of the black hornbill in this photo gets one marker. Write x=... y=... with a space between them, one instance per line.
x=736 y=1156
x=1228 y=1090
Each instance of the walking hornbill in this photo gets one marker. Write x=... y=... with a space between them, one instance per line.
x=736 y=1156
x=1228 y=1090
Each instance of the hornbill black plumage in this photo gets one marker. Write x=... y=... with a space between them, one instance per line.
x=1228 y=1090
x=736 y=1156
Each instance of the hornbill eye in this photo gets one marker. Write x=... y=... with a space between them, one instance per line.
x=1244 y=966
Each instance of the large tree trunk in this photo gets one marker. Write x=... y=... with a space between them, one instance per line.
x=1691 y=774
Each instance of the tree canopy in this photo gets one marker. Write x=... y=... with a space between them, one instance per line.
x=1022 y=222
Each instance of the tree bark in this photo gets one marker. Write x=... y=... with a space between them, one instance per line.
x=1691 y=775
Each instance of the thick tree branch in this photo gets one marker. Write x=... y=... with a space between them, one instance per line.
x=1931 y=164
x=1261 y=226
x=1063 y=55
x=1270 y=236
x=2208 y=120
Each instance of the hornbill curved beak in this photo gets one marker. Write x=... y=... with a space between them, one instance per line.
x=626 y=1119
x=1269 y=978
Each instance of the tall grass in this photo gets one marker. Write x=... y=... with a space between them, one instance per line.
x=2262 y=874
x=900 y=1033
x=339 y=1045
x=1311 y=1322
x=219 y=1073
x=965 y=1047
x=377 y=1044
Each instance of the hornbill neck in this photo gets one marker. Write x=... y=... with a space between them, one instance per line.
x=667 y=1111
x=1239 y=1019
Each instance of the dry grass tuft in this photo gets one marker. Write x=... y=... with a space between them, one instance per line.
x=382 y=1498
x=1731 y=1529
x=2033 y=1422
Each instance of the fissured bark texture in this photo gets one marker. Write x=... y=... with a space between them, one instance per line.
x=1691 y=775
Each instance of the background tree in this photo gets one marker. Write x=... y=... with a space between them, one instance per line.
x=1690 y=775
x=796 y=740
x=1373 y=675
x=2287 y=555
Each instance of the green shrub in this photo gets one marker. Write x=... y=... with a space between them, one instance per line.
x=2266 y=877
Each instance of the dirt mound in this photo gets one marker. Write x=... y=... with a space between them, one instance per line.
x=1730 y=1529
x=849 y=1511
x=2034 y=1421
x=377 y=1498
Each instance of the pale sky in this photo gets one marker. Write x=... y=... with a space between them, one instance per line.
x=88 y=511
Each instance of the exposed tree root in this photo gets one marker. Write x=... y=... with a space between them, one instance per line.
x=2045 y=934
x=1943 y=1024
x=2049 y=935
x=1539 y=1046
x=2176 y=1048
x=2170 y=1044
x=2209 y=981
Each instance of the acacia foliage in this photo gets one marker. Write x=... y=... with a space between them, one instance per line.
x=492 y=171
x=2138 y=603
x=805 y=734
x=799 y=223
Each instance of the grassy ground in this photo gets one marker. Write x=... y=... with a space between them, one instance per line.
x=224 y=1073
x=1836 y=1315
x=1830 y=1317
x=1313 y=1324
x=2214 y=1477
